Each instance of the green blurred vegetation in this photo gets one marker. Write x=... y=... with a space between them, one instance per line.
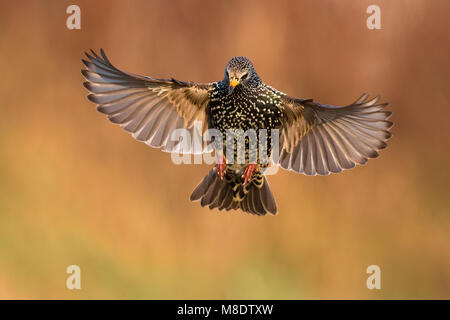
x=75 y=189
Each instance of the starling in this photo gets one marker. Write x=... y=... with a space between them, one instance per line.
x=314 y=138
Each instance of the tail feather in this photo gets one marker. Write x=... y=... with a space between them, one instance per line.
x=221 y=197
x=234 y=205
x=267 y=197
x=211 y=193
x=217 y=193
x=227 y=201
x=249 y=202
x=200 y=190
x=259 y=206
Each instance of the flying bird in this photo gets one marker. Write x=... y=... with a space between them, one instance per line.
x=314 y=138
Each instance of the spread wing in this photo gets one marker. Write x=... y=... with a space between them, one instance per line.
x=320 y=139
x=150 y=109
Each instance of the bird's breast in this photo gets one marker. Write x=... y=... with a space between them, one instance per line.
x=241 y=112
x=244 y=110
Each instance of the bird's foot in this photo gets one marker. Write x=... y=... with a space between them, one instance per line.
x=221 y=167
x=248 y=172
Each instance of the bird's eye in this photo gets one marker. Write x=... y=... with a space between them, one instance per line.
x=244 y=76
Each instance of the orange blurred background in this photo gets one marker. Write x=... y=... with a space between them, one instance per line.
x=76 y=189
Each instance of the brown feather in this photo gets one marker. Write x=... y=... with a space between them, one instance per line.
x=130 y=100
x=322 y=139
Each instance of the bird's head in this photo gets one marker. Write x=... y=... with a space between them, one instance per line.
x=240 y=72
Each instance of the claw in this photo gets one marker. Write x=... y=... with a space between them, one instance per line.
x=221 y=167
x=248 y=172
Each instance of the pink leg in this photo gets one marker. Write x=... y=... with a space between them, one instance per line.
x=221 y=166
x=248 y=172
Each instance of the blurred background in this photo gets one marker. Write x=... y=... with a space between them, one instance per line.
x=76 y=189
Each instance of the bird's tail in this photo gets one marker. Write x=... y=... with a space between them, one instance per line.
x=230 y=194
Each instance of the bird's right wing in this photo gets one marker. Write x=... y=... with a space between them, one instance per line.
x=150 y=109
x=320 y=139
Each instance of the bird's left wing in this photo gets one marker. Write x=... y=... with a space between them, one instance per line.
x=320 y=139
x=150 y=109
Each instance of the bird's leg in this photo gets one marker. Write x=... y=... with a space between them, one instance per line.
x=248 y=172
x=221 y=166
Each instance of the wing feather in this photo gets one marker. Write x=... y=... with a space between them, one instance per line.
x=323 y=139
x=150 y=109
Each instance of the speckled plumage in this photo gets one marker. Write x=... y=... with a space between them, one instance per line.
x=246 y=108
x=314 y=138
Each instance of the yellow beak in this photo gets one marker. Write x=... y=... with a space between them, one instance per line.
x=234 y=82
